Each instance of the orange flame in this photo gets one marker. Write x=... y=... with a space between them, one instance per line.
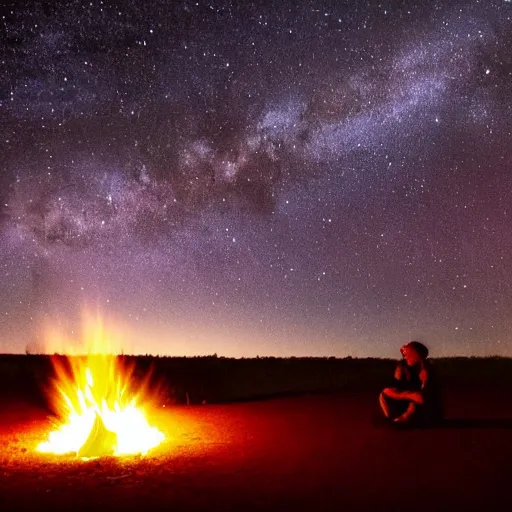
x=101 y=411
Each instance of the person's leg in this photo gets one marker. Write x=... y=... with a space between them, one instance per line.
x=408 y=415
x=414 y=417
x=384 y=406
x=392 y=408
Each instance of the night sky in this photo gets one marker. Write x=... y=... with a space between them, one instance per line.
x=257 y=178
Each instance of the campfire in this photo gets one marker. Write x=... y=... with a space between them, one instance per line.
x=99 y=406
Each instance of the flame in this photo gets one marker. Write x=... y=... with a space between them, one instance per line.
x=99 y=406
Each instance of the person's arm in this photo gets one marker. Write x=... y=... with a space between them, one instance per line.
x=412 y=396
x=399 y=372
x=417 y=397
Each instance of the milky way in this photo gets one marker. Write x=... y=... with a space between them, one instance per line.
x=248 y=178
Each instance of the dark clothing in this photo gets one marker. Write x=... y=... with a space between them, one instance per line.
x=425 y=380
x=410 y=380
x=397 y=407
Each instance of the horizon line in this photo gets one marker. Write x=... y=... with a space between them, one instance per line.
x=217 y=356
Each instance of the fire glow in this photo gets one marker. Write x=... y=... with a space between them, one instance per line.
x=100 y=410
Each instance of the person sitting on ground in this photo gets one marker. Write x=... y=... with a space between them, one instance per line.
x=415 y=398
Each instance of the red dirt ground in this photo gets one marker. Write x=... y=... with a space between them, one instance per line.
x=305 y=453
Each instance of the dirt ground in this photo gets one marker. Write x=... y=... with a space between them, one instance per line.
x=309 y=453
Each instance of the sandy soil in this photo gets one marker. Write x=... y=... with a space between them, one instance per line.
x=309 y=453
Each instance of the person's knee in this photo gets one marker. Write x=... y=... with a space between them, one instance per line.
x=383 y=400
x=384 y=406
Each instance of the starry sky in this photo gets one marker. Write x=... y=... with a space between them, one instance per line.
x=258 y=178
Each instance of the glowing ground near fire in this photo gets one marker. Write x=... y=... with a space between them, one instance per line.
x=100 y=411
x=303 y=453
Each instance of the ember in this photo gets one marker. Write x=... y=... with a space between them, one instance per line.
x=101 y=413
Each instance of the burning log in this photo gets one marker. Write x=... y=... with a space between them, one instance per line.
x=101 y=441
x=100 y=411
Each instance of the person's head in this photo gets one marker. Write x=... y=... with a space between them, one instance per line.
x=414 y=352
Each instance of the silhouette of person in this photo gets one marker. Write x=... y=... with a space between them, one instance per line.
x=415 y=397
